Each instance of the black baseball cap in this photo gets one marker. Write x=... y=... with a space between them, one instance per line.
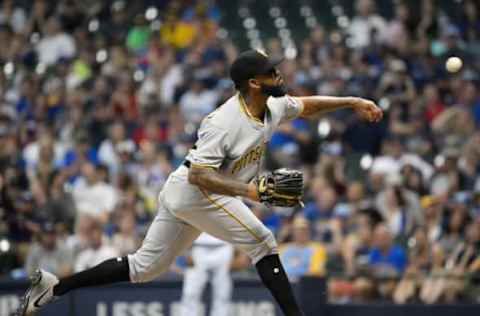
x=252 y=63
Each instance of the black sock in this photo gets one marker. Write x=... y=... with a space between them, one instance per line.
x=275 y=279
x=109 y=271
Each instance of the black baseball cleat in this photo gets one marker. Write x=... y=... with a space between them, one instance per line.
x=39 y=294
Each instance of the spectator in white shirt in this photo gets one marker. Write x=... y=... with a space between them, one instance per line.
x=13 y=16
x=366 y=25
x=55 y=44
x=80 y=240
x=127 y=239
x=97 y=252
x=92 y=195
x=161 y=83
x=108 y=152
x=49 y=253
x=153 y=170
x=46 y=139
x=394 y=157
x=400 y=207
x=197 y=102
x=396 y=33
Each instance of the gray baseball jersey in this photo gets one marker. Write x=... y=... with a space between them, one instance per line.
x=232 y=141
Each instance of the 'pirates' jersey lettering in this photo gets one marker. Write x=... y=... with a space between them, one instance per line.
x=253 y=156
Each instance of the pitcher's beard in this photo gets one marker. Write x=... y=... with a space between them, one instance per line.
x=275 y=91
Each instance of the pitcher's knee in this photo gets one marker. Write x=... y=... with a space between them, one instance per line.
x=266 y=246
x=145 y=266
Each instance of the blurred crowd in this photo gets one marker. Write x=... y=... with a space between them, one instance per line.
x=100 y=101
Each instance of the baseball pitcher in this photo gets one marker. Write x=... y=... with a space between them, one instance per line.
x=203 y=193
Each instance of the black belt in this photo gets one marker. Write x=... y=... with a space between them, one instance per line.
x=187 y=163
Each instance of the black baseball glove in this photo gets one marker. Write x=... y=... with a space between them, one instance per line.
x=282 y=187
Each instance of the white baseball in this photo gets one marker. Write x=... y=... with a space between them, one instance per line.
x=453 y=64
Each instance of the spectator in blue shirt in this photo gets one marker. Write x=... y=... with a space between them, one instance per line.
x=287 y=143
x=323 y=205
x=386 y=258
x=303 y=256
